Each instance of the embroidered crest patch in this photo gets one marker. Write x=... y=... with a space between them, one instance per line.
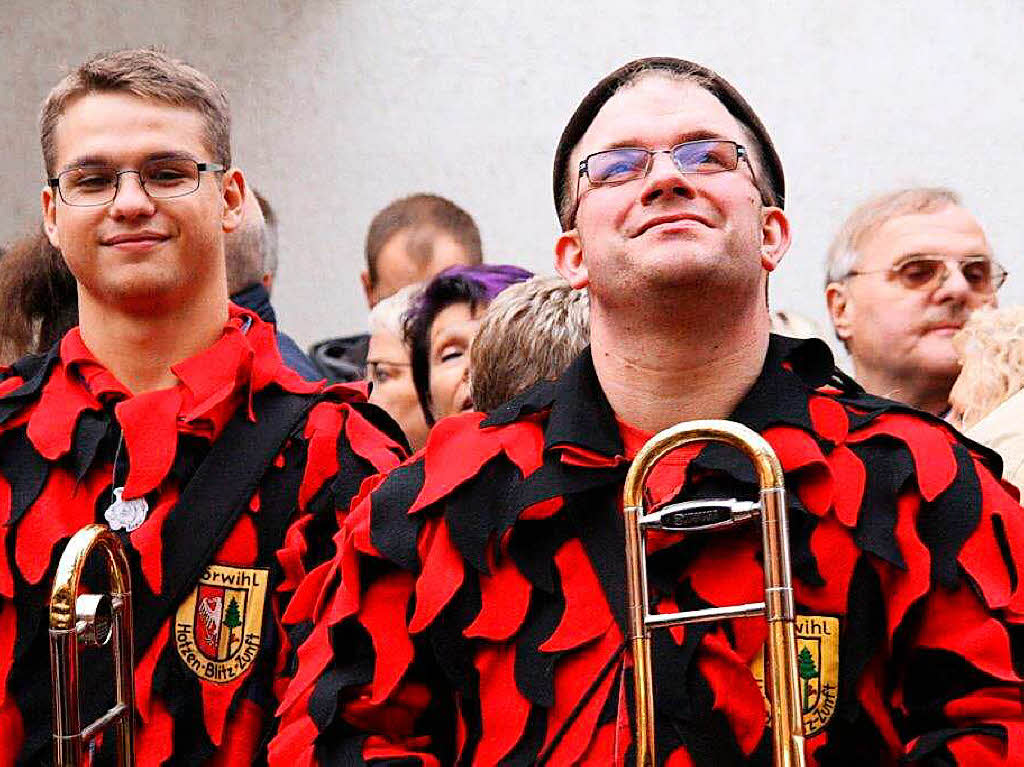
x=217 y=627
x=817 y=649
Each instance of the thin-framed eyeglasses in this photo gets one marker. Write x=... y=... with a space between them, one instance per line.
x=981 y=273
x=616 y=166
x=91 y=185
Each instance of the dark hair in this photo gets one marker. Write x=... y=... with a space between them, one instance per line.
x=475 y=285
x=422 y=212
x=39 y=296
x=772 y=188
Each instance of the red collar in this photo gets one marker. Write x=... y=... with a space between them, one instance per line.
x=211 y=386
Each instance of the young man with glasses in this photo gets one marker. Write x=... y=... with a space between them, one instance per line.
x=904 y=273
x=475 y=613
x=168 y=415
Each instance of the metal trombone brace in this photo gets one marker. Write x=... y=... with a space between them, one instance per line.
x=698 y=516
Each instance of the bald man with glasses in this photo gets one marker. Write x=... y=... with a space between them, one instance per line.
x=905 y=272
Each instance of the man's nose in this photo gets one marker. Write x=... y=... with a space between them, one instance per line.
x=953 y=285
x=130 y=198
x=664 y=178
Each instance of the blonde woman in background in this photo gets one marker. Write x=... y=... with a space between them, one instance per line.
x=987 y=400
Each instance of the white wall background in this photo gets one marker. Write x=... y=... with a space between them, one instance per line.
x=342 y=106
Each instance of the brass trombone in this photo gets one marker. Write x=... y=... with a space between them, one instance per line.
x=92 y=619
x=781 y=677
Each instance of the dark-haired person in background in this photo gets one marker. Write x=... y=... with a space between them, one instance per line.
x=475 y=612
x=439 y=330
x=409 y=241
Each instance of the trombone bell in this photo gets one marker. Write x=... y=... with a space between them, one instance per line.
x=782 y=677
x=93 y=620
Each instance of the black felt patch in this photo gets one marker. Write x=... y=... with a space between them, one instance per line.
x=999 y=528
x=889 y=466
x=454 y=653
x=278 y=491
x=477 y=509
x=851 y=743
x=946 y=523
x=802 y=525
x=932 y=678
x=534 y=670
x=353 y=667
x=34 y=369
x=341 y=746
x=392 y=529
x=25 y=471
x=90 y=431
x=708 y=737
x=534 y=400
x=601 y=529
x=532 y=546
x=580 y=413
x=864 y=631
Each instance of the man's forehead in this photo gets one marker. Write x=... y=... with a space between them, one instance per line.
x=950 y=230
x=108 y=124
x=656 y=106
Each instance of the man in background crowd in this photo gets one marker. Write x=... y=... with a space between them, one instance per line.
x=410 y=240
x=250 y=254
x=903 y=275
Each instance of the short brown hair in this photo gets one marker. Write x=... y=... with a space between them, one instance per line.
x=530 y=333
x=426 y=214
x=149 y=74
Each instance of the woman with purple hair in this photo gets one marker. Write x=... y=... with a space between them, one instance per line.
x=439 y=329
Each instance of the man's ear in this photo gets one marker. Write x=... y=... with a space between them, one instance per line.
x=569 y=260
x=840 y=309
x=775 y=237
x=49 y=202
x=368 y=289
x=234 y=189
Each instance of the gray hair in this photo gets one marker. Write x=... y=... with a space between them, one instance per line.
x=844 y=252
x=530 y=332
x=388 y=316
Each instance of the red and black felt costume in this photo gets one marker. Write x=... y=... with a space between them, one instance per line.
x=67 y=426
x=475 y=611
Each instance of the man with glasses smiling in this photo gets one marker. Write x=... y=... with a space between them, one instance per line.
x=475 y=613
x=904 y=273
x=168 y=415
